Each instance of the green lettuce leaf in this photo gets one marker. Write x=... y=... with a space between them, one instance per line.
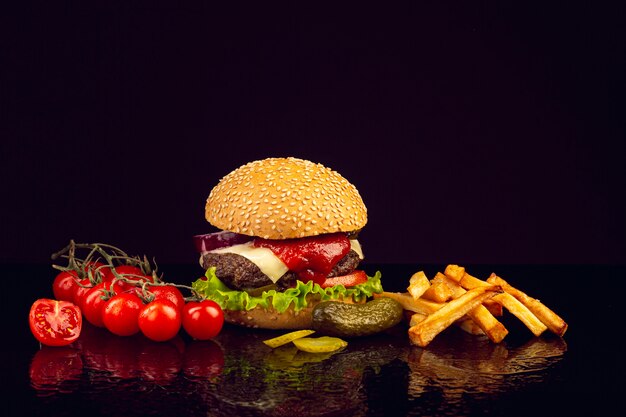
x=229 y=299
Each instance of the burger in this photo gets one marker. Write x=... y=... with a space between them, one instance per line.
x=287 y=240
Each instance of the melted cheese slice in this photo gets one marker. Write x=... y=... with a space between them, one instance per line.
x=265 y=259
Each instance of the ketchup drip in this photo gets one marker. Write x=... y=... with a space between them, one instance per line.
x=312 y=258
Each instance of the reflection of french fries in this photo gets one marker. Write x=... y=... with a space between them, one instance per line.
x=509 y=302
x=418 y=284
x=549 y=318
x=425 y=331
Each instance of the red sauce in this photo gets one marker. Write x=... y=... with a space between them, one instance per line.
x=311 y=257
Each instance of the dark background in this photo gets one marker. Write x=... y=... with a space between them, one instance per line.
x=476 y=133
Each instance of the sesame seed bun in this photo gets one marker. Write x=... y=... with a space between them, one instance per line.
x=285 y=198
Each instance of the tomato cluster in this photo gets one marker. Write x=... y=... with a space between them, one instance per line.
x=123 y=300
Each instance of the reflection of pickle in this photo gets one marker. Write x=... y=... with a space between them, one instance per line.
x=286 y=381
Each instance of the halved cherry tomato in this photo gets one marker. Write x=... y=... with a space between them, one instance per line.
x=55 y=323
x=203 y=320
x=160 y=320
x=120 y=314
x=64 y=286
x=350 y=280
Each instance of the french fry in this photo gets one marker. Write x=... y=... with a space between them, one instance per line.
x=481 y=315
x=438 y=292
x=418 y=284
x=468 y=325
x=548 y=317
x=424 y=332
x=416 y=318
x=494 y=308
x=522 y=312
x=454 y=272
x=509 y=302
x=494 y=330
x=407 y=302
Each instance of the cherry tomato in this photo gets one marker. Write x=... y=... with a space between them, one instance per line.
x=55 y=323
x=168 y=292
x=81 y=288
x=131 y=271
x=120 y=314
x=64 y=286
x=350 y=280
x=93 y=304
x=203 y=320
x=160 y=320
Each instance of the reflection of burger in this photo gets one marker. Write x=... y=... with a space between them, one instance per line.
x=288 y=240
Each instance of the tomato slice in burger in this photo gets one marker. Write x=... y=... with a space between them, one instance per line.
x=55 y=323
x=350 y=280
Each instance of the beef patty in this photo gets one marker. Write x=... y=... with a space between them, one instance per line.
x=239 y=273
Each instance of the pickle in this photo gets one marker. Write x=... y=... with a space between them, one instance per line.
x=335 y=318
x=286 y=338
x=322 y=344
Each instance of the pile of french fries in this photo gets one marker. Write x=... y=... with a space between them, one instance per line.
x=456 y=297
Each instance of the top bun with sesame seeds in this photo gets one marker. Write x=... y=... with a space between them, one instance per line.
x=285 y=198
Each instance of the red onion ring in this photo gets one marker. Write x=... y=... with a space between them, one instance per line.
x=211 y=241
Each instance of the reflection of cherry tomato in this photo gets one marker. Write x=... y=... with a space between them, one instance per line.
x=168 y=292
x=160 y=320
x=159 y=362
x=55 y=323
x=93 y=304
x=120 y=314
x=120 y=356
x=203 y=359
x=51 y=367
x=92 y=344
x=203 y=320
x=64 y=286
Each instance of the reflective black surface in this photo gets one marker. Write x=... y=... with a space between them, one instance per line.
x=237 y=375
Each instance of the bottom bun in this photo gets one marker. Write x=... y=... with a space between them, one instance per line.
x=261 y=318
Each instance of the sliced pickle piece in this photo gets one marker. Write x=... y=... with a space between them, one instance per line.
x=286 y=338
x=322 y=344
